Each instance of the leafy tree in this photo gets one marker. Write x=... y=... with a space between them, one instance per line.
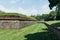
x=45 y=16
x=58 y=12
x=41 y=17
x=53 y=3
x=52 y=15
x=57 y=4
x=38 y=17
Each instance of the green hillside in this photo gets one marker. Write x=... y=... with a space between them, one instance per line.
x=16 y=15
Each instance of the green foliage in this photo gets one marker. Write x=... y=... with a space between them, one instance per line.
x=54 y=23
x=46 y=17
x=11 y=14
x=57 y=4
x=33 y=18
x=58 y=12
x=53 y=3
x=52 y=15
x=38 y=17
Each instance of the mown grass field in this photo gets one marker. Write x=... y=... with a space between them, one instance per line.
x=34 y=32
x=54 y=23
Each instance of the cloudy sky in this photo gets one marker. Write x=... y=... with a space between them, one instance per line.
x=27 y=7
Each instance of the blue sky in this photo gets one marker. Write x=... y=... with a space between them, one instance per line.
x=27 y=7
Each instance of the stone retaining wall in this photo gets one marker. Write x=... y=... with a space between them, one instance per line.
x=14 y=24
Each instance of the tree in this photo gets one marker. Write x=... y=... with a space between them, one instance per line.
x=38 y=17
x=53 y=3
x=52 y=15
x=57 y=4
x=58 y=12
x=45 y=16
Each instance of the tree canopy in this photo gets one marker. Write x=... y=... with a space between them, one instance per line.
x=46 y=17
x=53 y=3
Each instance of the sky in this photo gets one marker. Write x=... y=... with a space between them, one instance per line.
x=27 y=7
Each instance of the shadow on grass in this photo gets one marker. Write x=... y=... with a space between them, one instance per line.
x=48 y=35
x=56 y=24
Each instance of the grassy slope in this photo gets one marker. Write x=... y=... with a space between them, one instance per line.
x=55 y=23
x=52 y=22
x=20 y=34
x=15 y=14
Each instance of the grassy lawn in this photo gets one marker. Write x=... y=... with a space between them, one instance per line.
x=34 y=32
x=54 y=23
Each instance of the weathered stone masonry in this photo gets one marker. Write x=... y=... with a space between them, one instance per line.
x=14 y=23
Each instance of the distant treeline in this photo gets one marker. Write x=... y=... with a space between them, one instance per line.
x=47 y=17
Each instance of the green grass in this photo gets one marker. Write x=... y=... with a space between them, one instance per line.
x=15 y=14
x=52 y=22
x=34 y=32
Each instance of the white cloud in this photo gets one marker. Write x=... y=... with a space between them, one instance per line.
x=19 y=10
x=45 y=9
x=31 y=11
x=2 y=7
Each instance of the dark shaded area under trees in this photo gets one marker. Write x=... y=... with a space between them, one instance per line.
x=48 y=35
